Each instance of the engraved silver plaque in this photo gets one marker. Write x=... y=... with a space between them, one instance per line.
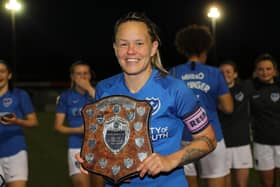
x=89 y=157
x=139 y=141
x=92 y=128
x=91 y=143
x=102 y=163
x=142 y=156
x=116 y=132
x=116 y=170
x=138 y=126
x=128 y=162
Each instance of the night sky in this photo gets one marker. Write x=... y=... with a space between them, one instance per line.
x=53 y=34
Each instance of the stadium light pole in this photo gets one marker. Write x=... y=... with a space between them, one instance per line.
x=214 y=14
x=13 y=6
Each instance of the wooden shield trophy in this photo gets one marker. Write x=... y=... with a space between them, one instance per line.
x=116 y=137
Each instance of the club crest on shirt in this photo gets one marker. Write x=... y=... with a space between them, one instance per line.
x=274 y=97
x=239 y=96
x=7 y=102
x=155 y=103
x=76 y=111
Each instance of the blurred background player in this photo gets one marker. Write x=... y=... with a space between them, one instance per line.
x=211 y=89
x=69 y=106
x=16 y=110
x=236 y=127
x=265 y=110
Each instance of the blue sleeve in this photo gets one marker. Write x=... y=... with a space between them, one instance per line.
x=192 y=114
x=222 y=85
x=97 y=92
x=186 y=101
x=61 y=105
x=25 y=103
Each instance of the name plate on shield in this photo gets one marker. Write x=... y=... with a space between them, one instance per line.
x=116 y=137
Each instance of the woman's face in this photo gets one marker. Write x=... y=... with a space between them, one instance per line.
x=134 y=48
x=229 y=73
x=5 y=75
x=81 y=72
x=265 y=71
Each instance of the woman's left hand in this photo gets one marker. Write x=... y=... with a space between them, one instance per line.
x=155 y=164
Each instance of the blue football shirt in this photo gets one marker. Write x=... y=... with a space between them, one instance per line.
x=171 y=101
x=11 y=136
x=71 y=103
x=208 y=84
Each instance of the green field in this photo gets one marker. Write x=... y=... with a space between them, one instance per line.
x=48 y=156
x=47 y=151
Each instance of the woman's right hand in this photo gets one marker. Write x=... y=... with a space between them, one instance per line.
x=80 y=160
x=86 y=85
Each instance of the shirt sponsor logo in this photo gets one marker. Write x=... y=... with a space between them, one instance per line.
x=158 y=133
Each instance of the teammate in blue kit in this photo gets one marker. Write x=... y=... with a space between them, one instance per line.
x=69 y=106
x=211 y=89
x=16 y=111
x=174 y=105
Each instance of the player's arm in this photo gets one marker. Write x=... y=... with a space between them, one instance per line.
x=86 y=84
x=61 y=128
x=30 y=120
x=204 y=142
x=225 y=103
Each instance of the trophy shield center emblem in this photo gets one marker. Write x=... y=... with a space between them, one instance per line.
x=116 y=132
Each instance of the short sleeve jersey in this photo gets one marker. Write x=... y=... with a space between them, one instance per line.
x=71 y=102
x=11 y=136
x=171 y=101
x=208 y=84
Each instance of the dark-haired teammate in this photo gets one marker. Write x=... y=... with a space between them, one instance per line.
x=210 y=87
x=236 y=127
x=16 y=111
x=265 y=105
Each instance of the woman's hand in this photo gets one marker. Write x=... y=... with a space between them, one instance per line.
x=80 y=160
x=9 y=119
x=86 y=85
x=155 y=164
